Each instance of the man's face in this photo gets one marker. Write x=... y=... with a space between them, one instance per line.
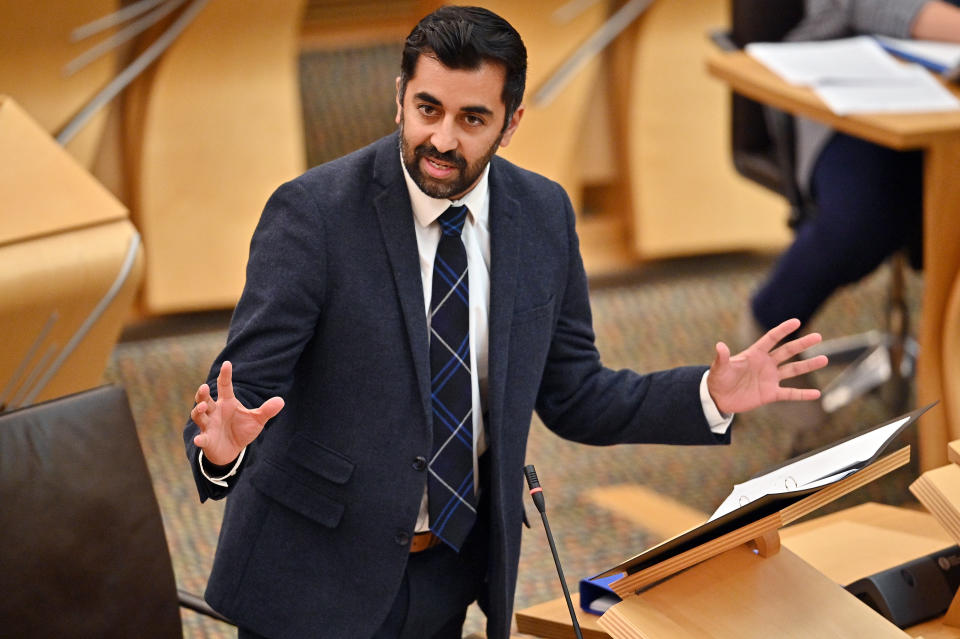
x=451 y=124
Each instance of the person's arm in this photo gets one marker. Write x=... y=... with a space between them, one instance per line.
x=937 y=21
x=273 y=320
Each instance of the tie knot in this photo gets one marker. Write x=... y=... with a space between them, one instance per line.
x=451 y=222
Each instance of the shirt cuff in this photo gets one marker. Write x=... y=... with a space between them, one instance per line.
x=718 y=422
x=222 y=481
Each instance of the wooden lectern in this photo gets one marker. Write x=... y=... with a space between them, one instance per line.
x=939 y=492
x=729 y=577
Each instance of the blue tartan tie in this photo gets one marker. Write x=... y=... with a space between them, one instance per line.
x=452 y=502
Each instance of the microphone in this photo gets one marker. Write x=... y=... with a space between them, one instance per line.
x=537 y=493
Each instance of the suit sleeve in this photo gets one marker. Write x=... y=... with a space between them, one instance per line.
x=582 y=400
x=276 y=315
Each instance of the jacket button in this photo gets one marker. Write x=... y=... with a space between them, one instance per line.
x=402 y=538
x=420 y=463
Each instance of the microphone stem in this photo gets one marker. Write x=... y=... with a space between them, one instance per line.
x=563 y=581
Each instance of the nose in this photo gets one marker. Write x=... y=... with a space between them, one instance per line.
x=444 y=136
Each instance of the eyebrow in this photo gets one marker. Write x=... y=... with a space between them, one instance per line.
x=478 y=109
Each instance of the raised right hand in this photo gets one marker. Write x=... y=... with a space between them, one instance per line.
x=226 y=425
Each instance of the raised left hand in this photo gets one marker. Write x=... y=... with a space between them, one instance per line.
x=752 y=377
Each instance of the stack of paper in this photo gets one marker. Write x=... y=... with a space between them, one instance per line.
x=855 y=75
x=939 y=492
x=939 y=57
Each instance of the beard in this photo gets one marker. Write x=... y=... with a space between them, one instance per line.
x=466 y=175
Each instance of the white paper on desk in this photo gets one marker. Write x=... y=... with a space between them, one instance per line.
x=945 y=55
x=812 y=471
x=852 y=60
x=920 y=92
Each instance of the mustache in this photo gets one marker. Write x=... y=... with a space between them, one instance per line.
x=450 y=157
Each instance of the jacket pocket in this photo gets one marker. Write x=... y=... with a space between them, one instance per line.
x=536 y=312
x=293 y=492
x=320 y=460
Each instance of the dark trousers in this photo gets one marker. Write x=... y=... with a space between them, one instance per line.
x=870 y=204
x=438 y=586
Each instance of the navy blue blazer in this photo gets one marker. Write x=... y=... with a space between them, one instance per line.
x=316 y=530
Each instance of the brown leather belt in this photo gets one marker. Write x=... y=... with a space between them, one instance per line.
x=423 y=540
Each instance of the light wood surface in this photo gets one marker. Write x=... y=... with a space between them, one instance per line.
x=36 y=47
x=953 y=451
x=688 y=199
x=546 y=141
x=45 y=190
x=220 y=127
x=63 y=243
x=951 y=366
x=813 y=541
x=759 y=528
x=49 y=287
x=740 y=595
x=938 y=490
x=845 y=551
x=938 y=134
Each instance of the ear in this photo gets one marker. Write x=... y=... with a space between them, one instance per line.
x=397 y=98
x=512 y=126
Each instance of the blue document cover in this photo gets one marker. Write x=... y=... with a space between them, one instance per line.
x=596 y=595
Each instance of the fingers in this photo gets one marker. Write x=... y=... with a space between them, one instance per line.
x=791 y=348
x=797 y=394
x=723 y=354
x=793 y=369
x=269 y=409
x=225 y=381
x=773 y=337
x=202 y=394
x=201 y=413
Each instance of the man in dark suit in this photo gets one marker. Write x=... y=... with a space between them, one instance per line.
x=386 y=495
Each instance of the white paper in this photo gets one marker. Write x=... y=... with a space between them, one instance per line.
x=945 y=54
x=856 y=75
x=810 y=63
x=813 y=471
x=920 y=93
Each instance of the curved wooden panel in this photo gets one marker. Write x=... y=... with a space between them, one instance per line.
x=546 y=141
x=50 y=287
x=951 y=362
x=688 y=198
x=36 y=46
x=221 y=129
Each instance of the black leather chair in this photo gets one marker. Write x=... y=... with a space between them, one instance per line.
x=763 y=149
x=82 y=546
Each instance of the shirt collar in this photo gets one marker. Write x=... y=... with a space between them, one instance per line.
x=427 y=209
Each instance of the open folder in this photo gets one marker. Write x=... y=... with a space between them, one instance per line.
x=775 y=498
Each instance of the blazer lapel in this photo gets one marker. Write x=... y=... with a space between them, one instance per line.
x=504 y=260
x=395 y=215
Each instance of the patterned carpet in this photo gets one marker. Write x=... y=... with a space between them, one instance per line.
x=663 y=315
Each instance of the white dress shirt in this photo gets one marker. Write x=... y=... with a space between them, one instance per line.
x=476 y=241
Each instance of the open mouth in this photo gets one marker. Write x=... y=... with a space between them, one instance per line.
x=437 y=166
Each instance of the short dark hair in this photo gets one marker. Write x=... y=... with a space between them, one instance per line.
x=463 y=38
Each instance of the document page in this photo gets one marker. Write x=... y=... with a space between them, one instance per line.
x=815 y=470
x=850 y=60
x=856 y=75
x=920 y=92
x=939 y=56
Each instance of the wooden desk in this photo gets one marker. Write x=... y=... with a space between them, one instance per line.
x=898 y=535
x=938 y=135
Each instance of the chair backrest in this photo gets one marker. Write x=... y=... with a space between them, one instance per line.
x=82 y=547
x=760 y=153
